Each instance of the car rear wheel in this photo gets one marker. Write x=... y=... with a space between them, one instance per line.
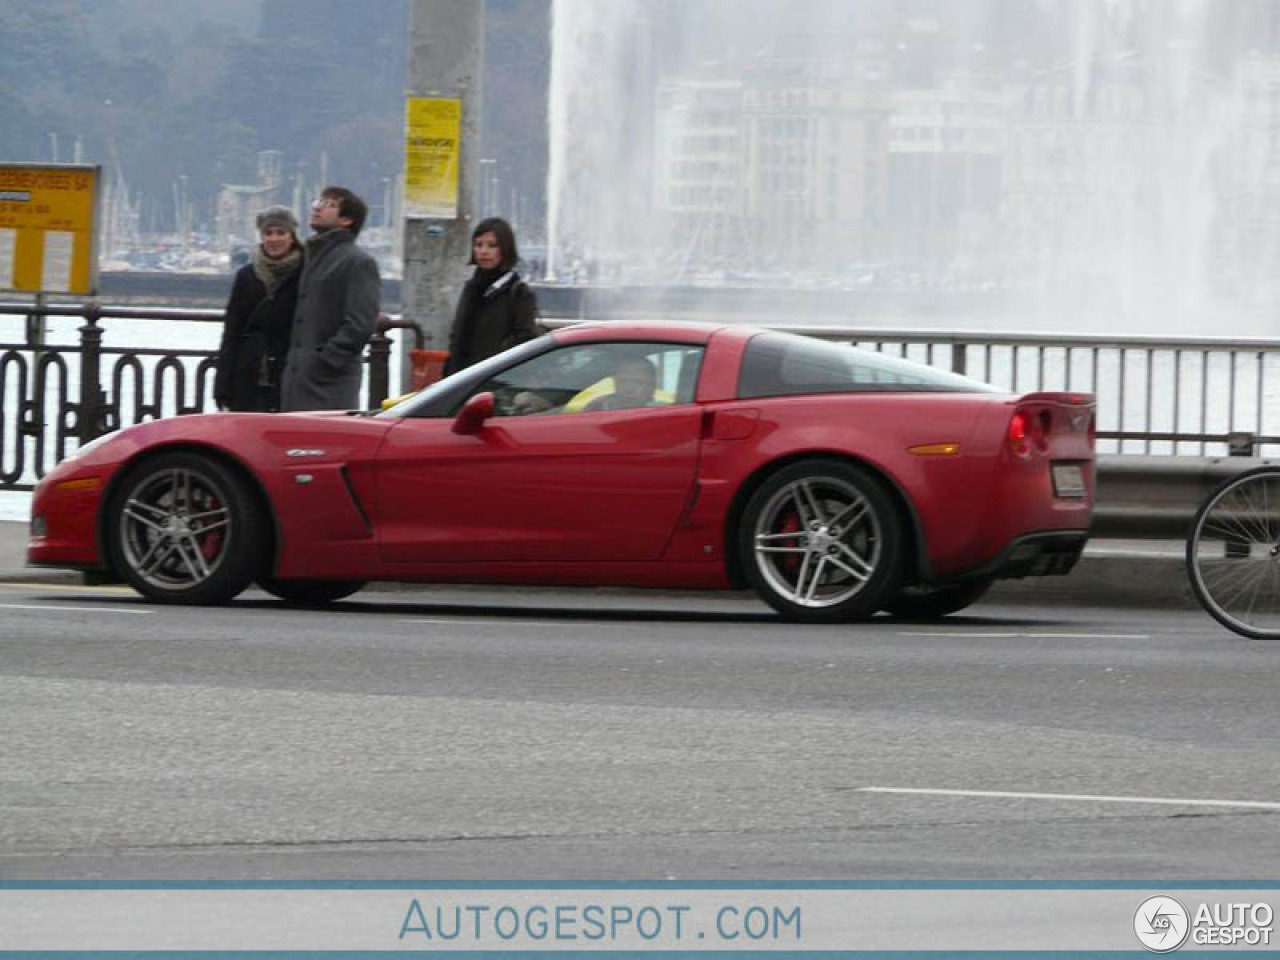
x=821 y=542
x=183 y=528
x=929 y=603
x=310 y=593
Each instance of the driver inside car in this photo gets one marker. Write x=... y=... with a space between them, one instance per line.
x=529 y=401
x=633 y=385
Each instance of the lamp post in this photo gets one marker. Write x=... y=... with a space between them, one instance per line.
x=445 y=58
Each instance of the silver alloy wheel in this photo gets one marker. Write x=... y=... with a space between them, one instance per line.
x=817 y=541
x=175 y=527
x=1233 y=554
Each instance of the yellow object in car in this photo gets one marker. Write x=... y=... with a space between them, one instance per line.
x=602 y=388
x=390 y=402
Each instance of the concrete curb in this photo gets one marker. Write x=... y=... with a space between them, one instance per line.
x=1103 y=577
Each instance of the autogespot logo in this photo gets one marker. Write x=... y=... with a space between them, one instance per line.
x=1161 y=924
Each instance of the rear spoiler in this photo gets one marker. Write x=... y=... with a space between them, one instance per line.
x=1071 y=398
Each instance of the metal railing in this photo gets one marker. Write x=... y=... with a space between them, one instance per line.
x=1156 y=497
x=1202 y=397
x=57 y=395
x=1206 y=396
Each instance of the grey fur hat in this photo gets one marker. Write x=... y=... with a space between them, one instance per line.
x=278 y=216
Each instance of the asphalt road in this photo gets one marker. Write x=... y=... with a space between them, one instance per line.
x=455 y=734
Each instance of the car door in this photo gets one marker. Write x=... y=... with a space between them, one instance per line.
x=563 y=484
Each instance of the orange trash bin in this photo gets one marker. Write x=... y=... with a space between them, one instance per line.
x=426 y=367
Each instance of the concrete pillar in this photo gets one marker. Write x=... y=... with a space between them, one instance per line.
x=446 y=54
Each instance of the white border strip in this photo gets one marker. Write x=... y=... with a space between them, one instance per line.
x=1089 y=797
x=45 y=607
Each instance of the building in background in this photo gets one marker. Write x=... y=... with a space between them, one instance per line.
x=238 y=204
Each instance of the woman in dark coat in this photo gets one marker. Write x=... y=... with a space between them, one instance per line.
x=496 y=309
x=259 y=317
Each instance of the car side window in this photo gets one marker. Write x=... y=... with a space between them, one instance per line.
x=590 y=378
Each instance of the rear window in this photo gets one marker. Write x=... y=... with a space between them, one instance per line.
x=784 y=364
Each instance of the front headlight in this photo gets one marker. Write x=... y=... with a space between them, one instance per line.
x=91 y=445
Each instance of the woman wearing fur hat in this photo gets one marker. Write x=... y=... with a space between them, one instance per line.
x=259 y=317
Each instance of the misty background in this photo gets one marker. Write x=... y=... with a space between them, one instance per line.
x=1055 y=164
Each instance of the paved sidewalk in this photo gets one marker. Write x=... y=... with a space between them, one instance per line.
x=1112 y=572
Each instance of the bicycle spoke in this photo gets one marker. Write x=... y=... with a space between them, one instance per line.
x=1233 y=588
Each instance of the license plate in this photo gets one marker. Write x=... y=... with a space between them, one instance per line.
x=1068 y=480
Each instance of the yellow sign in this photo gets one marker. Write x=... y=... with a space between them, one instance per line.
x=433 y=134
x=48 y=228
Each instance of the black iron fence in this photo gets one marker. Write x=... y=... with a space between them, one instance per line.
x=69 y=376
x=61 y=388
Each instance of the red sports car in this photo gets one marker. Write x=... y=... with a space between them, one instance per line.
x=834 y=481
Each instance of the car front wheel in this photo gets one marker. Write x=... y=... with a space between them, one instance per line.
x=183 y=528
x=821 y=542
x=310 y=593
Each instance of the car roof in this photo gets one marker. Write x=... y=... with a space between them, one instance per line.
x=660 y=330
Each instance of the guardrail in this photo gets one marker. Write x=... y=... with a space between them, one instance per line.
x=1153 y=497
x=61 y=388
x=1158 y=399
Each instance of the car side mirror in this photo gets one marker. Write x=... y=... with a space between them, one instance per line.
x=473 y=414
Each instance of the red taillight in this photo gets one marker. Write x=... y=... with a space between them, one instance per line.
x=1029 y=430
x=1018 y=434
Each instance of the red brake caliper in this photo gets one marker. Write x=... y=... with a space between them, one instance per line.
x=211 y=542
x=790 y=562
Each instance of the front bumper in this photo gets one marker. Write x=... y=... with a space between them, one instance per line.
x=64 y=514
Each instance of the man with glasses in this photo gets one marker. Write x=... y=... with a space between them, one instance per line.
x=339 y=295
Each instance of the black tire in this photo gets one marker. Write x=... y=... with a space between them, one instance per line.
x=930 y=603
x=821 y=542
x=310 y=593
x=183 y=528
x=1233 y=554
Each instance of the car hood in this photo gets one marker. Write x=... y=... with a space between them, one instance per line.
x=258 y=439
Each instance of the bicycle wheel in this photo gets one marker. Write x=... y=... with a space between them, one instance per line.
x=1233 y=553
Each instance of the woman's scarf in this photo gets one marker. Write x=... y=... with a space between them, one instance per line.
x=483 y=285
x=274 y=272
